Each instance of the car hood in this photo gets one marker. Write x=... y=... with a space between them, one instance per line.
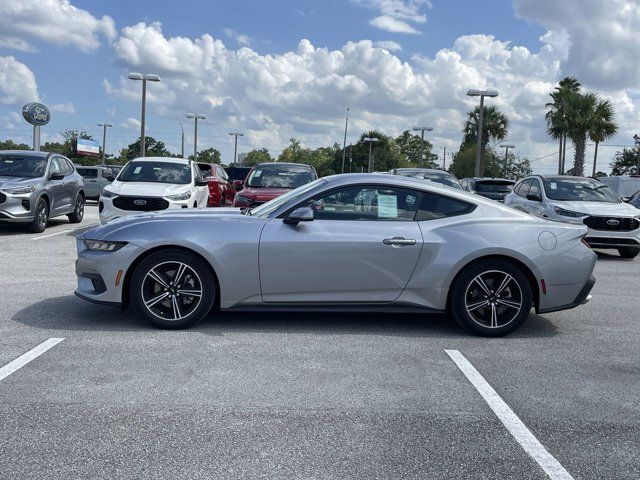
x=146 y=189
x=600 y=209
x=108 y=230
x=8 y=182
x=263 y=194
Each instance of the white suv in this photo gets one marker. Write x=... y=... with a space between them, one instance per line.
x=612 y=223
x=151 y=184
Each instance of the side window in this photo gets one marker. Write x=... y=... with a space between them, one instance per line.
x=221 y=173
x=534 y=189
x=433 y=206
x=55 y=166
x=69 y=167
x=88 y=172
x=364 y=202
x=523 y=190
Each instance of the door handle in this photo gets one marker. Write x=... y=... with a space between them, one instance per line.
x=399 y=241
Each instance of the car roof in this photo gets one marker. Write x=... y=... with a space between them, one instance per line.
x=421 y=170
x=162 y=159
x=26 y=153
x=476 y=179
x=286 y=164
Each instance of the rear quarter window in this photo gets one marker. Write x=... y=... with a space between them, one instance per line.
x=88 y=172
x=433 y=206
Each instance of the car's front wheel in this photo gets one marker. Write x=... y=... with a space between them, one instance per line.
x=491 y=298
x=78 y=210
x=627 y=252
x=41 y=217
x=172 y=289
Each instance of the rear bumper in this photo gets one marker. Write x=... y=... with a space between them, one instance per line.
x=582 y=298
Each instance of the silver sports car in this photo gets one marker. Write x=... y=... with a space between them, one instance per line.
x=347 y=242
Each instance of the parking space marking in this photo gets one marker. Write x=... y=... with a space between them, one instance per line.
x=66 y=231
x=510 y=420
x=25 y=358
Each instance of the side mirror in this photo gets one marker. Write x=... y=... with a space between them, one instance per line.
x=237 y=184
x=56 y=176
x=201 y=183
x=534 y=198
x=302 y=214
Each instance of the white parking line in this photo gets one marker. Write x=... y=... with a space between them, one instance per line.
x=25 y=358
x=510 y=420
x=66 y=231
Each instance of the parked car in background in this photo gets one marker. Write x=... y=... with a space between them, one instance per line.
x=411 y=245
x=432 y=174
x=95 y=179
x=151 y=184
x=612 y=223
x=493 y=188
x=37 y=186
x=221 y=190
x=635 y=199
x=623 y=185
x=267 y=181
x=237 y=173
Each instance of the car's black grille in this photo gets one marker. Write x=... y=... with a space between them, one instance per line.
x=3 y=197
x=612 y=241
x=140 y=204
x=612 y=224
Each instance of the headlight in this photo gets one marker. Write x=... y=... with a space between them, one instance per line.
x=20 y=190
x=107 y=194
x=241 y=199
x=101 y=246
x=568 y=213
x=179 y=196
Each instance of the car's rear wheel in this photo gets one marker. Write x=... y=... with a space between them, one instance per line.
x=491 y=298
x=172 y=289
x=628 y=252
x=41 y=217
x=78 y=211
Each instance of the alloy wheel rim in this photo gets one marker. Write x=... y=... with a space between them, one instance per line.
x=42 y=215
x=493 y=299
x=80 y=207
x=171 y=290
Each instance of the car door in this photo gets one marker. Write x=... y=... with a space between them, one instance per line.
x=362 y=246
x=228 y=191
x=535 y=207
x=56 y=186
x=92 y=186
x=521 y=202
x=71 y=182
x=202 y=191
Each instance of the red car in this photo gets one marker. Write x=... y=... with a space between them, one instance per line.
x=221 y=190
x=267 y=181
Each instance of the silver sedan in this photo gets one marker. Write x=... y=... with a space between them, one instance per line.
x=347 y=243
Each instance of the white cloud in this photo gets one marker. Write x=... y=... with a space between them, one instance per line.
x=389 y=45
x=15 y=43
x=17 y=82
x=397 y=16
x=66 y=107
x=53 y=21
x=132 y=124
x=242 y=39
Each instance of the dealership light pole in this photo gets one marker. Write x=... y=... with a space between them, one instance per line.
x=182 y=143
x=144 y=77
x=637 y=140
x=371 y=141
x=235 y=144
x=344 y=143
x=422 y=129
x=104 y=139
x=506 y=152
x=196 y=117
x=480 y=93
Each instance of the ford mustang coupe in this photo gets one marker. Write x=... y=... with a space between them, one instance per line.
x=341 y=243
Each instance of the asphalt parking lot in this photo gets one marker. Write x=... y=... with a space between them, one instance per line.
x=305 y=396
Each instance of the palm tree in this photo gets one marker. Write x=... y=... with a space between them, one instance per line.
x=603 y=127
x=556 y=117
x=580 y=110
x=495 y=126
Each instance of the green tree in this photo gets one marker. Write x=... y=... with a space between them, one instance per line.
x=322 y=159
x=495 y=126
x=386 y=153
x=602 y=128
x=463 y=164
x=557 y=115
x=9 y=144
x=210 y=155
x=580 y=109
x=255 y=156
x=410 y=148
x=153 y=147
x=625 y=162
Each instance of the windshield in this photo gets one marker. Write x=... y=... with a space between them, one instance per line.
x=493 y=187
x=269 y=207
x=156 y=172
x=22 y=166
x=578 y=190
x=280 y=177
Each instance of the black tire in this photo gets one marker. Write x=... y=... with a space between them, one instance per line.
x=78 y=210
x=41 y=217
x=473 y=302
x=627 y=252
x=145 y=289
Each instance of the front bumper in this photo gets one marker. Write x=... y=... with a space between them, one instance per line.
x=613 y=239
x=97 y=272
x=108 y=212
x=16 y=208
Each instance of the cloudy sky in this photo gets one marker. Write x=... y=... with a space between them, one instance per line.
x=287 y=68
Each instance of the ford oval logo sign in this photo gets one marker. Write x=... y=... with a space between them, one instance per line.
x=612 y=222
x=36 y=113
x=140 y=202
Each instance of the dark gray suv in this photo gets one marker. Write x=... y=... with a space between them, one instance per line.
x=37 y=186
